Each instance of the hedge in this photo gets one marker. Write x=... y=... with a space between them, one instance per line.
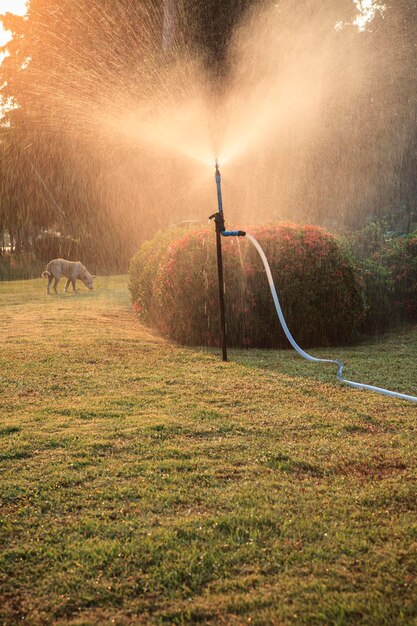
x=173 y=281
x=401 y=259
x=388 y=264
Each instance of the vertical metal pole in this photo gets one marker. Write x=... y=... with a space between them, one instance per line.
x=222 y=232
x=219 y=221
x=223 y=335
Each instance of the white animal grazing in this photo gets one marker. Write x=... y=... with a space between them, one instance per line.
x=72 y=270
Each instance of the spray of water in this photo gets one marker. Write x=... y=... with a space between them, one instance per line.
x=311 y=119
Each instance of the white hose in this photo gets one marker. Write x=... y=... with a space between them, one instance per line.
x=304 y=354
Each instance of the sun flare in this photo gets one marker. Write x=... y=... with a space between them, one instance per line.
x=17 y=7
x=367 y=10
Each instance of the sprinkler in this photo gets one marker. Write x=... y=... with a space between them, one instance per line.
x=222 y=232
x=219 y=217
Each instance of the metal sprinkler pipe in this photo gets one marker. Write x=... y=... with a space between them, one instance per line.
x=219 y=222
x=218 y=178
x=222 y=232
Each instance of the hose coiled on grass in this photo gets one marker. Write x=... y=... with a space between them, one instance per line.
x=305 y=355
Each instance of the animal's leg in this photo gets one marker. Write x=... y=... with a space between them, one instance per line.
x=67 y=284
x=73 y=280
x=50 y=279
x=56 y=284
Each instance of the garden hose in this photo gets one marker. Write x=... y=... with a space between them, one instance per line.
x=305 y=355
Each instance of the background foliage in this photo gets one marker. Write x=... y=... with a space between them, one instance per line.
x=389 y=269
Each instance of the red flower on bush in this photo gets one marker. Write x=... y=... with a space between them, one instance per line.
x=138 y=308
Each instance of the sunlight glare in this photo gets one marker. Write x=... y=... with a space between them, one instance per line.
x=5 y=36
x=18 y=7
x=367 y=10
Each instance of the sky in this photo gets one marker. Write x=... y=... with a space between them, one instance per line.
x=18 y=7
x=367 y=9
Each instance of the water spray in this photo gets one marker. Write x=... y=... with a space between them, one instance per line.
x=222 y=232
x=45 y=186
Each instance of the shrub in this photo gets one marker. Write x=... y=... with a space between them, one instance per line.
x=369 y=248
x=143 y=269
x=401 y=258
x=174 y=286
x=369 y=242
x=20 y=266
x=389 y=268
x=320 y=292
x=50 y=246
x=379 y=296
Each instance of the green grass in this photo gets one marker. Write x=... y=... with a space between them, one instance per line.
x=146 y=483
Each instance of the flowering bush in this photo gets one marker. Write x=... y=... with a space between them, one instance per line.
x=143 y=268
x=319 y=290
x=174 y=286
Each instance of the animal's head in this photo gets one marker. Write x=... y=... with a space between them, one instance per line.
x=88 y=280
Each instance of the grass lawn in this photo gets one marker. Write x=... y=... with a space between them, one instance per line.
x=146 y=483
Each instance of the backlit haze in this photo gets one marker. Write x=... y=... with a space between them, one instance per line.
x=308 y=115
x=267 y=124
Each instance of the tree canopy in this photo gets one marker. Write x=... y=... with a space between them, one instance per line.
x=80 y=70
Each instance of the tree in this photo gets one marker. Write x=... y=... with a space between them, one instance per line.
x=106 y=114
